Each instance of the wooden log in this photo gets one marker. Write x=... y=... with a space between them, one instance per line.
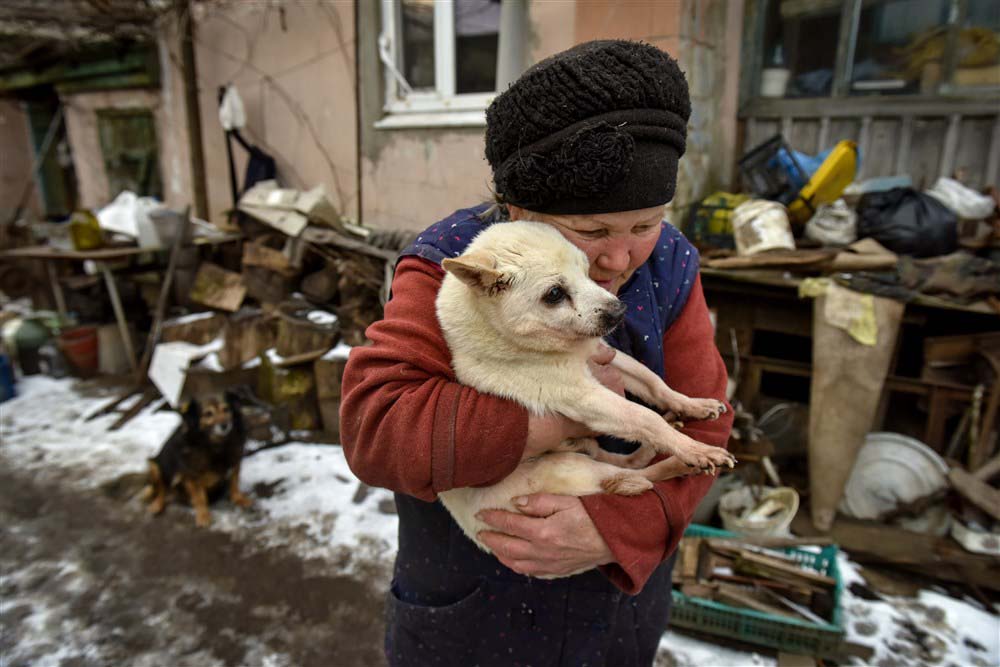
x=936 y=557
x=147 y=397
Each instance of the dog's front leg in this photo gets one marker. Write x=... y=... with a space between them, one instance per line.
x=199 y=500
x=647 y=385
x=604 y=411
x=235 y=496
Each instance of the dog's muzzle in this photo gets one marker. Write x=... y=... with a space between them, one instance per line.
x=222 y=430
x=611 y=317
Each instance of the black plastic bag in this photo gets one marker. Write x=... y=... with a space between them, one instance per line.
x=908 y=222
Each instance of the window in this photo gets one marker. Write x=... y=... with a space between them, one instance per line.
x=131 y=158
x=443 y=59
x=823 y=48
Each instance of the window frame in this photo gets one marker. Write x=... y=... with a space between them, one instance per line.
x=753 y=57
x=440 y=107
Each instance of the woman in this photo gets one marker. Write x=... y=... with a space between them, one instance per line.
x=587 y=141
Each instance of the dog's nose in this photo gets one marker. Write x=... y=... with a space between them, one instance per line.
x=612 y=315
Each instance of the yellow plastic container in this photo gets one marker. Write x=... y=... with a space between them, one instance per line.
x=828 y=183
x=85 y=231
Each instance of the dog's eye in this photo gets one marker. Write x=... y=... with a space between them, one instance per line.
x=555 y=295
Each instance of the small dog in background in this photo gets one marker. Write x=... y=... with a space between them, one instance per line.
x=203 y=457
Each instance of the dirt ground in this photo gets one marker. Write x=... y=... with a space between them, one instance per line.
x=88 y=579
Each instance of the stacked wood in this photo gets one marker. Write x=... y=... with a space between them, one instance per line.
x=291 y=387
x=753 y=577
x=303 y=329
x=217 y=288
x=246 y=334
x=267 y=272
x=196 y=328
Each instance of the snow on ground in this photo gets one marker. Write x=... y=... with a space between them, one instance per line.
x=306 y=496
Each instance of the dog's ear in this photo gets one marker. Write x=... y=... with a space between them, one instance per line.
x=478 y=270
x=191 y=412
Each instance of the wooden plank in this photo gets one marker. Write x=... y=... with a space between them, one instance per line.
x=937 y=557
x=147 y=397
x=976 y=491
x=864 y=141
x=786 y=128
x=873 y=105
x=777 y=565
x=842 y=129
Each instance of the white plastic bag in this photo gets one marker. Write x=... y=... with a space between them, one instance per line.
x=129 y=214
x=965 y=202
x=231 y=113
x=833 y=224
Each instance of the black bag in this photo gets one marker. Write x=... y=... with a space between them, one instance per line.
x=908 y=222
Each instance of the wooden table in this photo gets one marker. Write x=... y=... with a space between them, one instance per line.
x=101 y=258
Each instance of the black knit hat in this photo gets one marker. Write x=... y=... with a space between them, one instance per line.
x=598 y=128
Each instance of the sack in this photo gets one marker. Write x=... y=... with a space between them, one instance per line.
x=908 y=222
x=965 y=202
x=833 y=224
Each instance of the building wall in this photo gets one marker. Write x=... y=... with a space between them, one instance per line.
x=16 y=158
x=293 y=64
x=410 y=178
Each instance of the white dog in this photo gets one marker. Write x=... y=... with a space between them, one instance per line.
x=522 y=317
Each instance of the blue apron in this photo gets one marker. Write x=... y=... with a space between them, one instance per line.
x=452 y=604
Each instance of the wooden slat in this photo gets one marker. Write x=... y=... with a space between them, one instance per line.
x=925 y=150
x=864 y=141
x=971 y=154
x=805 y=136
x=824 y=133
x=882 y=142
x=786 y=128
x=947 y=165
x=903 y=149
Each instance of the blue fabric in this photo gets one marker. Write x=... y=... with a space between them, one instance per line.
x=453 y=604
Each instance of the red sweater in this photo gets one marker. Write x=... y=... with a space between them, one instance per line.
x=407 y=425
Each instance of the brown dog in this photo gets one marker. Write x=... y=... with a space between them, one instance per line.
x=203 y=456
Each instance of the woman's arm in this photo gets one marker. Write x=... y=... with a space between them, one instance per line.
x=642 y=531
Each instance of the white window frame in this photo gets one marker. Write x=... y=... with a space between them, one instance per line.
x=441 y=107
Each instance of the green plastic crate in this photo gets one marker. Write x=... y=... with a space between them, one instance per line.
x=786 y=634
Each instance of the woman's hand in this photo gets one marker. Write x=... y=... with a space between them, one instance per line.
x=546 y=432
x=553 y=536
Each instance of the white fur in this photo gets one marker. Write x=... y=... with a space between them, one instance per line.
x=507 y=341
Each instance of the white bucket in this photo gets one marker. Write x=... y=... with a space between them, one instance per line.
x=760 y=225
x=771 y=513
x=774 y=81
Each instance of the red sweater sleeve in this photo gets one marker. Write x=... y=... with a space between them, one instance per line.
x=643 y=530
x=406 y=423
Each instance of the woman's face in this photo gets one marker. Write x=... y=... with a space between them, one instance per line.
x=616 y=244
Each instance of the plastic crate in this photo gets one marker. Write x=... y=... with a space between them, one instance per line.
x=771 y=171
x=709 y=222
x=785 y=634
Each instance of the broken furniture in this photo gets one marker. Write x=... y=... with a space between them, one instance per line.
x=103 y=258
x=760 y=315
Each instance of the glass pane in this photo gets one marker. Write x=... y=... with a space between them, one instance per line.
x=978 y=61
x=900 y=45
x=418 y=43
x=477 y=36
x=800 y=48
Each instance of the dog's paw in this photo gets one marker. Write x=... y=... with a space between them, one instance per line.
x=705 y=457
x=242 y=500
x=700 y=408
x=156 y=507
x=626 y=484
x=203 y=519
